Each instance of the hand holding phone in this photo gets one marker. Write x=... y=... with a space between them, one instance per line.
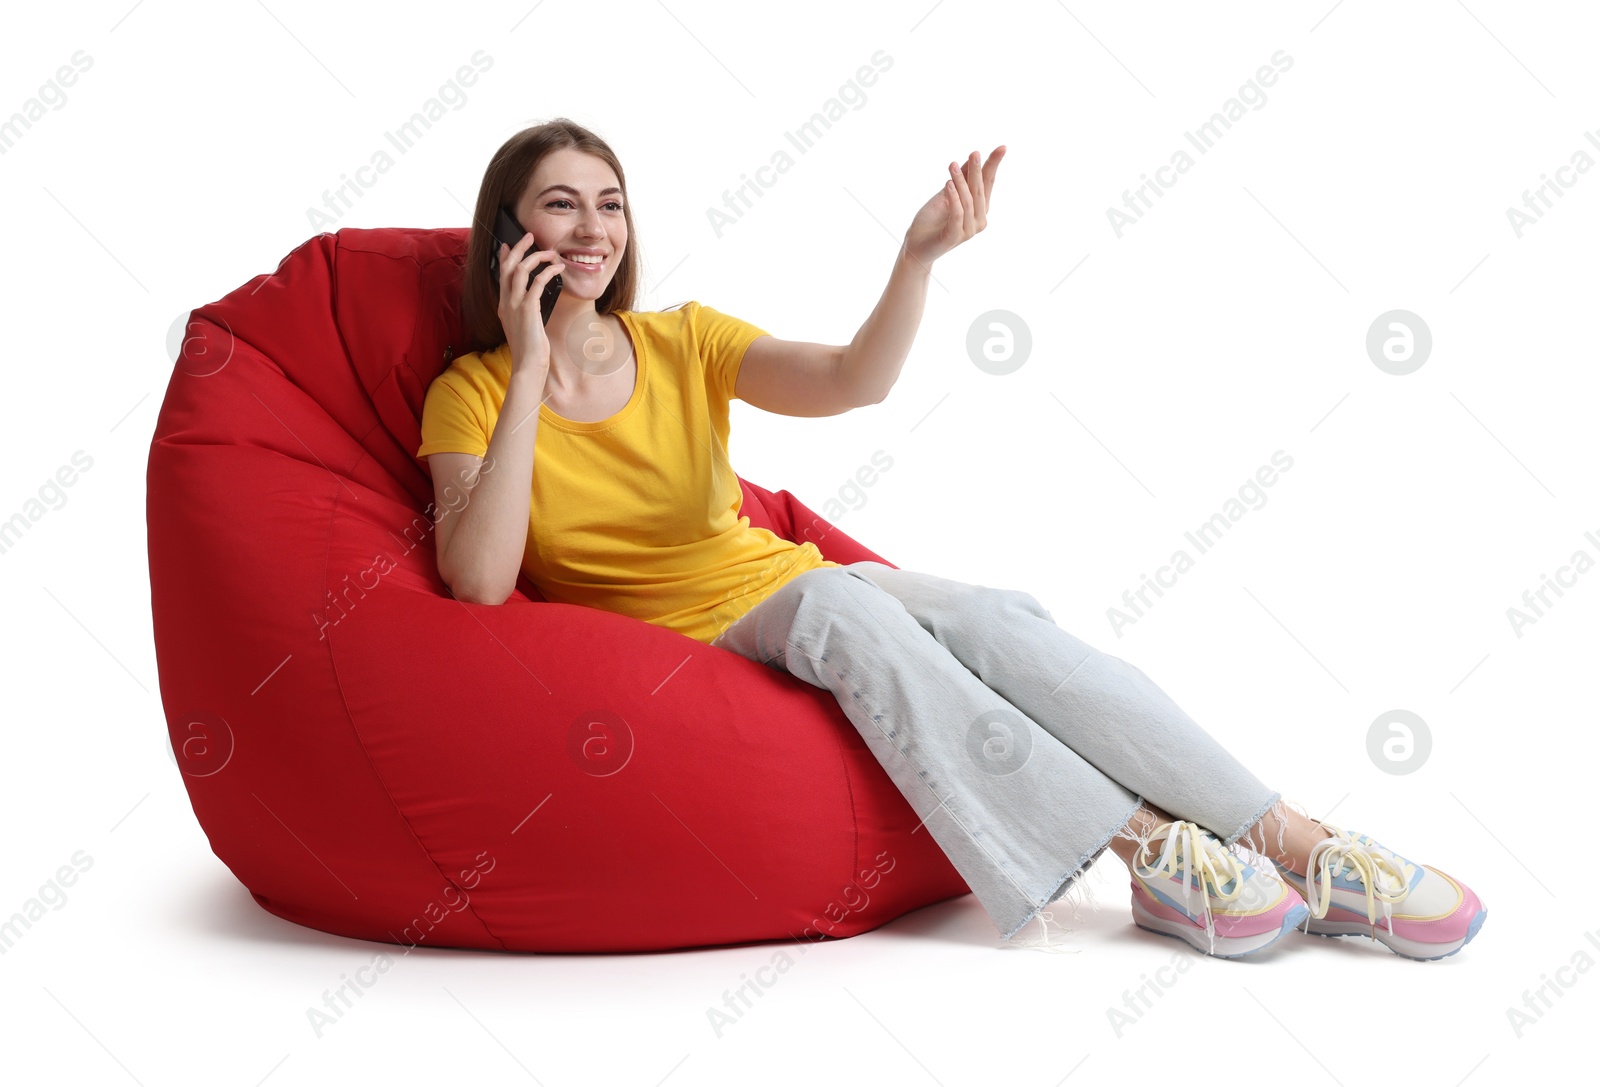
x=508 y=230
x=526 y=337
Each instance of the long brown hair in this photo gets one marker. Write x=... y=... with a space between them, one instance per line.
x=507 y=178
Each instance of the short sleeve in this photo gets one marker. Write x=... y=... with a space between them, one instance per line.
x=721 y=340
x=450 y=424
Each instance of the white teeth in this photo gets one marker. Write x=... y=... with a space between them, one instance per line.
x=577 y=259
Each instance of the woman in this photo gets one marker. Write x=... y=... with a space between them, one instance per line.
x=1026 y=752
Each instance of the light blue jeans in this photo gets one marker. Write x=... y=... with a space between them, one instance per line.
x=1022 y=749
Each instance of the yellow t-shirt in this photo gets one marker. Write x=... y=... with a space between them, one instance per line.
x=637 y=513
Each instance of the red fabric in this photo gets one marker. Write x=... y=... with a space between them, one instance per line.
x=372 y=757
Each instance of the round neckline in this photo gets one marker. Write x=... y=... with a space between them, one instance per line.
x=548 y=415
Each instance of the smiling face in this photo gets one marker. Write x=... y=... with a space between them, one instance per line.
x=573 y=205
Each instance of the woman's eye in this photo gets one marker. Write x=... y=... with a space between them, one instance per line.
x=563 y=200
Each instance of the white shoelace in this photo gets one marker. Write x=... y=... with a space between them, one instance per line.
x=1384 y=881
x=1203 y=855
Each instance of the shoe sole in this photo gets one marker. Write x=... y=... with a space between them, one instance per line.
x=1406 y=949
x=1227 y=947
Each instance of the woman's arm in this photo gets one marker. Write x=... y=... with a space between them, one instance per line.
x=483 y=533
x=872 y=361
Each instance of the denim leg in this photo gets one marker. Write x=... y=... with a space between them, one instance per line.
x=1100 y=706
x=1019 y=814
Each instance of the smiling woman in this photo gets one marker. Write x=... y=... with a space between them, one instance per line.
x=614 y=409
x=1026 y=752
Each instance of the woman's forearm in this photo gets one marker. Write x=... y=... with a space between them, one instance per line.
x=871 y=364
x=872 y=361
x=484 y=552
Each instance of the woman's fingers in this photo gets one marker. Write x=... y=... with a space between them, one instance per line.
x=990 y=168
x=975 y=184
x=965 y=193
x=973 y=169
x=980 y=181
x=959 y=210
x=972 y=183
x=985 y=185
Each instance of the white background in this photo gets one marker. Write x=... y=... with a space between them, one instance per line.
x=1228 y=323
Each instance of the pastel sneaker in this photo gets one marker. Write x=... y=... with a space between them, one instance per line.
x=1358 y=887
x=1201 y=892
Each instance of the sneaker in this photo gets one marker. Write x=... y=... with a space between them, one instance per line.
x=1426 y=914
x=1200 y=892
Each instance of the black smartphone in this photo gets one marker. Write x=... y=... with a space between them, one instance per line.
x=508 y=230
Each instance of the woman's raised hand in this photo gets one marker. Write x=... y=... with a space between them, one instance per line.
x=956 y=212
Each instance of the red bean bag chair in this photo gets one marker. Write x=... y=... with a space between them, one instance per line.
x=373 y=758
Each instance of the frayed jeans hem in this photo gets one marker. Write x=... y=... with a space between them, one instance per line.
x=1077 y=871
x=1261 y=813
